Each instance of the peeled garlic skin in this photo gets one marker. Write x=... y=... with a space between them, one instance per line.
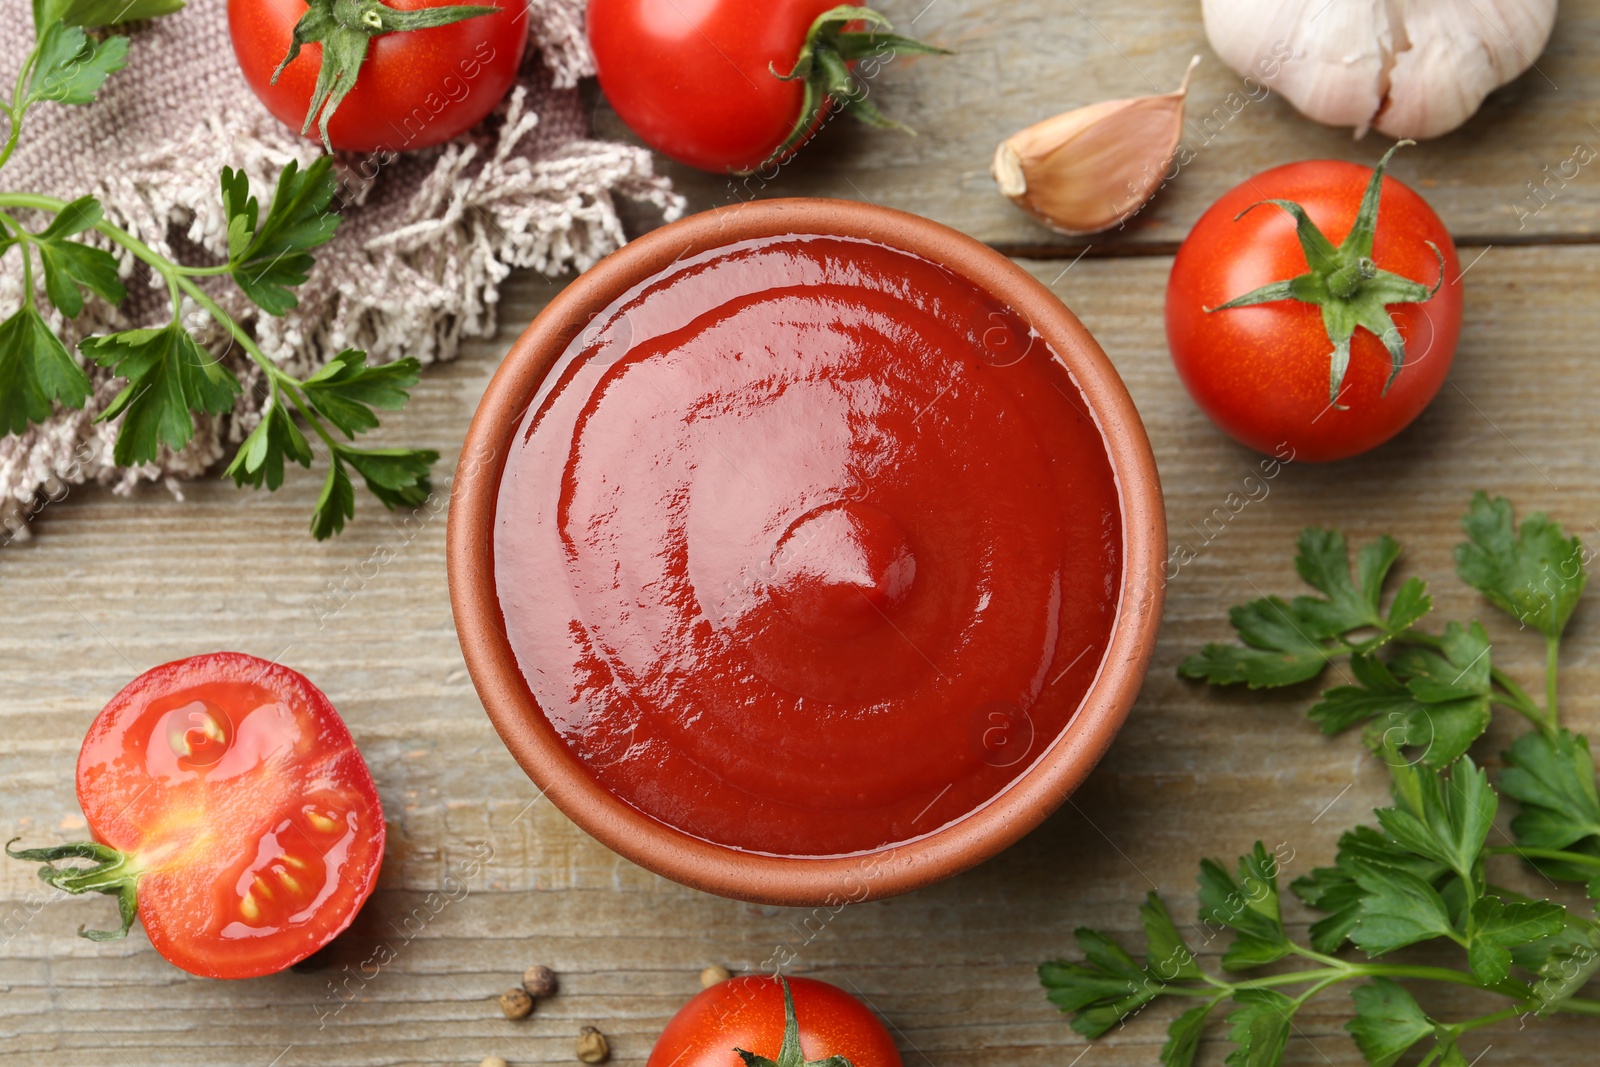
x=1410 y=68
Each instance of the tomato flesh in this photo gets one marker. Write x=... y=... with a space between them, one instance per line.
x=238 y=793
x=1261 y=372
x=695 y=78
x=416 y=89
x=748 y=1013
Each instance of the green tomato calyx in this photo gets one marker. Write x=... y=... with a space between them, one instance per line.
x=825 y=67
x=1346 y=284
x=345 y=28
x=789 y=1054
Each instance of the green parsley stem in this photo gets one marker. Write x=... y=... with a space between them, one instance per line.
x=1487 y=1020
x=1580 y=1006
x=17 y=106
x=1582 y=859
x=163 y=266
x=27 y=273
x=1552 y=652
x=315 y=423
x=1323 y=977
x=203 y=272
x=178 y=278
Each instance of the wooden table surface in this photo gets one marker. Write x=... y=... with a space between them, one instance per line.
x=113 y=586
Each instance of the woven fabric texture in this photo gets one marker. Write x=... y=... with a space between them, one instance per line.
x=427 y=240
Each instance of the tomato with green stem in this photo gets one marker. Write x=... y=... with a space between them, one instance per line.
x=761 y=1021
x=231 y=813
x=726 y=85
x=379 y=77
x=1293 y=343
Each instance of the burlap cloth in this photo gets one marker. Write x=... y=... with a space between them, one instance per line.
x=415 y=267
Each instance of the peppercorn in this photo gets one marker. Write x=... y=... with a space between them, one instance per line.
x=516 y=1003
x=592 y=1046
x=539 y=981
x=712 y=975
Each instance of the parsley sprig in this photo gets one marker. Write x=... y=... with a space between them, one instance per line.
x=171 y=376
x=1421 y=874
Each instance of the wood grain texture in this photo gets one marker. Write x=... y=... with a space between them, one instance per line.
x=113 y=586
x=1024 y=60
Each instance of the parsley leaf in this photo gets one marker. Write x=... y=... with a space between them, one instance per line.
x=1183 y=1036
x=1570 y=964
x=1553 y=779
x=259 y=460
x=169 y=377
x=71 y=66
x=346 y=390
x=1280 y=648
x=1110 y=984
x=335 y=504
x=1324 y=564
x=71 y=265
x=1289 y=642
x=1398 y=909
x=1448 y=1053
x=1335 y=890
x=1498 y=927
x=1249 y=907
x=1103 y=989
x=1534 y=574
x=269 y=256
x=1442 y=819
x=36 y=370
x=1436 y=701
x=1167 y=957
x=396 y=476
x=1388 y=1021
x=1259 y=1025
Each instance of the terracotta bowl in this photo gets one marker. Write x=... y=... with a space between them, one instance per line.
x=808 y=881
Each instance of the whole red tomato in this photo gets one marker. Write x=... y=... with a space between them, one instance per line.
x=1268 y=373
x=231 y=810
x=749 y=1013
x=416 y=88
x=699 y=81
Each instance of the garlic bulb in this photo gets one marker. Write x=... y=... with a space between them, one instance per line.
x=1090 y=169
x=1408 y=68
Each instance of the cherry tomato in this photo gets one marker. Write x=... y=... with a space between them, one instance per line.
x=698 y=79
x=232 y=809
x=1262 y=372
x=748 y=1013
x=416 y=88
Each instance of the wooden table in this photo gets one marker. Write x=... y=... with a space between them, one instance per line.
x=112 y=586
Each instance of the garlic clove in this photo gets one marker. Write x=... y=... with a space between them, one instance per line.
x=1090 y=169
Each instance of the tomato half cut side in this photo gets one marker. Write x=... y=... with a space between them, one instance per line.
x=230 y=807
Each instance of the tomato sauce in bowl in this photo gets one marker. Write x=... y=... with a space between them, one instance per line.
x=806 y=551
x=807 y=546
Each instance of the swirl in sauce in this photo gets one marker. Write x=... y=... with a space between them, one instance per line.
x=808 y=546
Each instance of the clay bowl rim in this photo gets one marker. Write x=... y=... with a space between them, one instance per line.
x=784 y=880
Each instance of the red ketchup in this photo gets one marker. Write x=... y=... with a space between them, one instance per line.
x=808 y=546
